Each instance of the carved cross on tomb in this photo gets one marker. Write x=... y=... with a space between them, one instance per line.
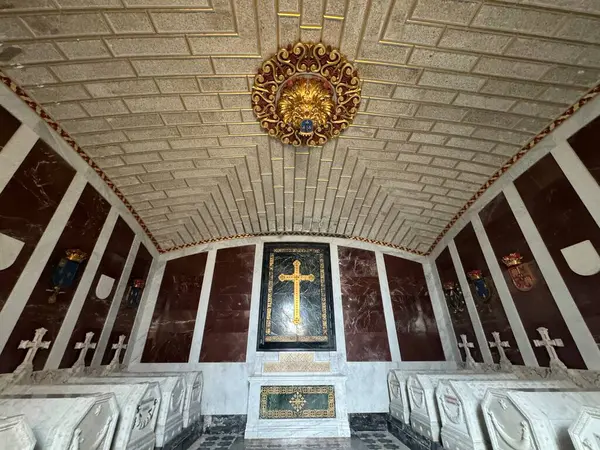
x=550 y=344
x=118 y=347
x=467 y=346
x=500 y=345
x=84 y=346
x=32 y=348
x=296 y=278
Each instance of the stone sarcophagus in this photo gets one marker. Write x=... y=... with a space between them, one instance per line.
x=585 y=431
x=192 y=403
x=459 y=405
x=15 y=433
x=424 y=415
x=530 y=420
x=61 y=422
x=169 y=423
x=138 y=408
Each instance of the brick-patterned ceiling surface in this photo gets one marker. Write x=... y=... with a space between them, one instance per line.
x=157 y=92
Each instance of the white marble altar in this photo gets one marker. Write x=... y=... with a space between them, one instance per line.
x=170 y=413
x=15 y=433
x=459 y=405
x=424 y=415
x=533 y=420
x=66 y=422
x=138 y=408
x=585 y=431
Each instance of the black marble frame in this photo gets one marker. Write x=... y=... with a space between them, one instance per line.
x=325 y=345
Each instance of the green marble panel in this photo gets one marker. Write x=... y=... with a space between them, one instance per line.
x=297 y=402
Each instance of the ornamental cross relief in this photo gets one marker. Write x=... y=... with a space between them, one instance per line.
x=297 y=278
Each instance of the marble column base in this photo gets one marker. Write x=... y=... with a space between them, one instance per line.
x=413 y=440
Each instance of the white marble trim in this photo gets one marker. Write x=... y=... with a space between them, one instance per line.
x=255 y=303
x=143 y=318
x=508 y=303
x=388 y=312
x=115 y=304
x=39 y=258
x=581 y=334
x=338 y=309
x=64 y=335
x=14 y=153
x=470 y=302
x=200 y=323
x=441 y=313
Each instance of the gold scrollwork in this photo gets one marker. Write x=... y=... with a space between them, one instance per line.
x=306 y=94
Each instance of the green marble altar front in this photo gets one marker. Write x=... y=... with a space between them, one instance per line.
x=297 y=402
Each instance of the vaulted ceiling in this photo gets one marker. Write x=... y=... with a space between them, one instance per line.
x=157 y=92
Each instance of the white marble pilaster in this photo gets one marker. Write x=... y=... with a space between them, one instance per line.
x=14 y=152
x=255 y=303
x=580 y=178
x=441 y=313
x=338 y=310
x=508 y=303
x=388 y=312
x=470 y=302
x=64 y=335
x=581 y=334
x=139 y=332
x=39 y=258
x=209 y=270
x=116 y=303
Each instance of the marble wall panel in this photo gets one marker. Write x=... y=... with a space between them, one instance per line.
x=227 y=319
x=39 y=183
x=461 y=321
x=81 y=232
x=487 y=301
x=172 y=328
x=98 y=301
x=364 y=321
x=563 y=220
x=123 y=323
x=415 y=323
x=585 y=145
x=8 y=126
x=536 y=306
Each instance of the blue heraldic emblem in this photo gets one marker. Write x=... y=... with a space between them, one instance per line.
x=483 y=288
x=134 y=292
x=65 y=273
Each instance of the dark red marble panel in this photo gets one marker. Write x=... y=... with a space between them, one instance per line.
x=81 y=232
x=172 y=328
x=461 y=321
x=364 y=321
x=8 y=126
x=123 y=323
x=585 y=144
x=487 y=301
x=416 y=327
x=94 y=310
x=563 y=220
x=226 y=329
x=536 y=307
x=39 y=183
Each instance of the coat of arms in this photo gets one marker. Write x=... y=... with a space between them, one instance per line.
x=520 y=274
x=454 y=297
x=483 y=287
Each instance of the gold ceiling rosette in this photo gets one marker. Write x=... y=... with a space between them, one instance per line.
x=306 y=94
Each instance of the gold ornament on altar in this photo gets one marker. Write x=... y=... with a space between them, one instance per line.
x=306 y=94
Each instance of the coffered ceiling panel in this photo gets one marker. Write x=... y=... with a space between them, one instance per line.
x=157 y=92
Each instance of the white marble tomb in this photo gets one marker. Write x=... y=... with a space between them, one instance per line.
x=192 y=402
x=61 y=423
x=531 y=420
x=138 y=408
x=585 y=431
x=15 y=433
x=424 y=416
x=459 y=405
x=170 y=412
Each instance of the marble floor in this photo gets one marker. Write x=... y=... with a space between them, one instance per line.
x=361 y=440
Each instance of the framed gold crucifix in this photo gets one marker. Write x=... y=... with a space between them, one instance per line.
x=296 y=299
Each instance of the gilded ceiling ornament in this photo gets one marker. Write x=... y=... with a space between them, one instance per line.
x=306 y=94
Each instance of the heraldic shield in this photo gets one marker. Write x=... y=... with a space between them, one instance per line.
x=521 y=274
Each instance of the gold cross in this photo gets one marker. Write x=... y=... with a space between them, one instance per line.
x=296 y=277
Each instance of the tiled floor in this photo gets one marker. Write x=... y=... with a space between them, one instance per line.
x=362 y=440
